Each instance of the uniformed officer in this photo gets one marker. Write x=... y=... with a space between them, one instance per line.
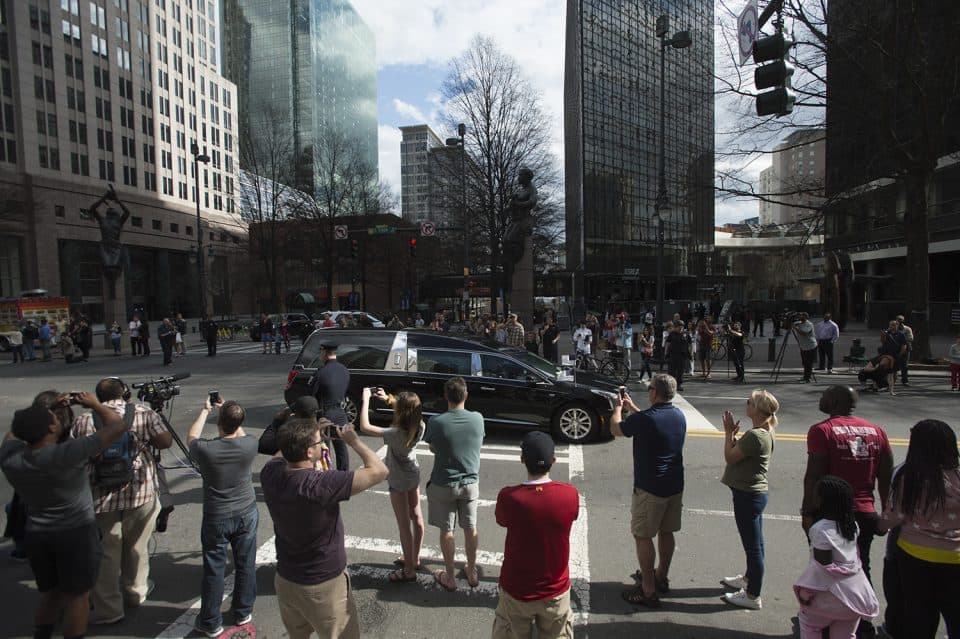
x=209 y=328
x=329 y=387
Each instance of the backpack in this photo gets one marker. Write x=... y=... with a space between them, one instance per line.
x=113 y=467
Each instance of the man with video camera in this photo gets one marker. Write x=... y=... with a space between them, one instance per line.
x=124 y=500
x=230 y=515
x=49 y=473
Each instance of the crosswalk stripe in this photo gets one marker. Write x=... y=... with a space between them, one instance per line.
x=515 y=456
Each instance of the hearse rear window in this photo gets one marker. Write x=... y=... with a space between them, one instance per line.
x=449 y=362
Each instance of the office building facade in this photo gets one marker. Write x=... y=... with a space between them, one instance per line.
x=310 y=64
x=793 y=184
x=415 y=148
x=115 y=92
x=611 y=120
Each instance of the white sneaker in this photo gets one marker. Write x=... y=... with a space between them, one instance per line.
x=242 y=621
x=216 y=632
x=737 y=583
x=743 y=600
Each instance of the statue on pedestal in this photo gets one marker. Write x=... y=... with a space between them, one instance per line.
x=112 y=252
x=522 y=203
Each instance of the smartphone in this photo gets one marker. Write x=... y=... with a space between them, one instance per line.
x=75 y=397
x=214 y=397
x=623 y=392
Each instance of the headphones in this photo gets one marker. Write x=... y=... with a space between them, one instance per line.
x=126 y=394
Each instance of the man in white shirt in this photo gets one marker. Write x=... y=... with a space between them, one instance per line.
x=582 y=338
x=827 y=333
x=136 y=346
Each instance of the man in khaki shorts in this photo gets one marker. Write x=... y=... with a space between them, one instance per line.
x=658 y=435
x=455 y=437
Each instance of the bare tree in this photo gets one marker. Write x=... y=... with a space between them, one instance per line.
x=901 y=54
x=507 y=129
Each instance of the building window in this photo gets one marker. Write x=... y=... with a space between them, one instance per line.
x=59 y=211
x=136 y=221
x=157 y=225
x=174 y=228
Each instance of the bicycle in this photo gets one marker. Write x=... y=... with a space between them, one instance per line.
x=719 y=348
x=608 y=364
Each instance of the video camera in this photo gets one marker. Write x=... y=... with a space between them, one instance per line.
x=158 y=392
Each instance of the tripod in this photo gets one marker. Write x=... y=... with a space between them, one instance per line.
x=778 y=364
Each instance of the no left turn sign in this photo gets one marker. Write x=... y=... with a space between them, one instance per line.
x=340 y=232
x=427 y=229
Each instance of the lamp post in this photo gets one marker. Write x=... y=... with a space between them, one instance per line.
x=680 y=40
x=459 y=141
x=197 y=159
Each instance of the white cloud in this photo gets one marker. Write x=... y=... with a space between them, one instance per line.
x=409 y=110
x=389 y=143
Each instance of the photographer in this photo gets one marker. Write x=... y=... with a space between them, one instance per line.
x=230 y=515
x=305 y=407
x=125 y=501
x=806 y=338
x=49 y=473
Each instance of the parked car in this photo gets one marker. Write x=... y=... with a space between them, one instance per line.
x=510 y=387
x=361 y=319
x=301 y=325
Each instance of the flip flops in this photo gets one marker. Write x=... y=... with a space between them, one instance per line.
x=439 y=576
x=398 y=576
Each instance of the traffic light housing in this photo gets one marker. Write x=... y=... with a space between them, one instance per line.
x=413 y=247
x=776 y=75
x=355 y=248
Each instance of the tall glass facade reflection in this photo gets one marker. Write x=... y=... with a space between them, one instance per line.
x=611 y=118
x=311 y=62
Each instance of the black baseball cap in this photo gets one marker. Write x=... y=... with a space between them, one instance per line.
x=537 y=449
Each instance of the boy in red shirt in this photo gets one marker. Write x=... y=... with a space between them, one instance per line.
x=535 y=576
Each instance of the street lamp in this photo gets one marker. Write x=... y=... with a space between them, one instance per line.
x=197 y=159
x=680 y=40
x=460 y=142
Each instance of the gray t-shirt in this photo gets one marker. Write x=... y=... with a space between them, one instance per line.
x=52 y=481
x=455 y=437
x=225 y=465
x=401 y=460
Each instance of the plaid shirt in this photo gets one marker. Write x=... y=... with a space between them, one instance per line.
x=514 y=335
x=146 y=425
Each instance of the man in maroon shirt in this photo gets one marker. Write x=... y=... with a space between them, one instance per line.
x=855 y=450
x=535 y=576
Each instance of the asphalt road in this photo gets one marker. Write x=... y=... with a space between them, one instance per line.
x=603 y=555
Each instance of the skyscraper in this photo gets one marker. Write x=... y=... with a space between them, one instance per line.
x=310 y=63
x=116 y=91
x=611 y=119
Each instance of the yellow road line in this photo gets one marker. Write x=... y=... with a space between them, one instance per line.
x=785 y=437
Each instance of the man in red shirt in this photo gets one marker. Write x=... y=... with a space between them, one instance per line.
x=855 y=450
x=535 y=576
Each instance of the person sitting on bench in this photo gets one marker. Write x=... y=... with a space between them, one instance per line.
x=880 y=371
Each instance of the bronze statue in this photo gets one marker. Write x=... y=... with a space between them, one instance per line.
x=112 y=251
x=522 y=203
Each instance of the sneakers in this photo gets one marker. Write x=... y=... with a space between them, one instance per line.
x=737 y=583
x=241 y=621
x=216 y=632
x=742 y=600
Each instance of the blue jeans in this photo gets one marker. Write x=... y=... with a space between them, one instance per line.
x=240 y=533
x=28 y=350
x=748 y=511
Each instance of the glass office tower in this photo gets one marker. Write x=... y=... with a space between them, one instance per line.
x=611 y=120
x=310 y=62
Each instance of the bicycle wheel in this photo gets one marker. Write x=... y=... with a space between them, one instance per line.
x=747 y=352
x=616 y=369
x=719 y=351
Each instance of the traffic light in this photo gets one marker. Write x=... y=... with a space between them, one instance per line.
x=355 y=248
x=776 y=75
x=413 y=247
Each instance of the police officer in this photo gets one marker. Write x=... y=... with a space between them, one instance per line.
x=210 y=333
x=329 y=387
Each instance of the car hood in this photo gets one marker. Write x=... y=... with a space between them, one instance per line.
x=595 y=380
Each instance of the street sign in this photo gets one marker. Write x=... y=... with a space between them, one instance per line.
x=631 y=271
x=381 y=229
x=747 y=30
x=427 y=229
x=340 y=232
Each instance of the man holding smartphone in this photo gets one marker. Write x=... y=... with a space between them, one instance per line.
x=230 y=516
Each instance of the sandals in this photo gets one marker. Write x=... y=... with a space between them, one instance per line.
x=637 y=597
x=662 y=585
x=399 y=576
x=473 y=580
x=439 y=576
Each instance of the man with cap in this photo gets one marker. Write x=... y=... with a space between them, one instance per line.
x=329 y=387
x=535 y=577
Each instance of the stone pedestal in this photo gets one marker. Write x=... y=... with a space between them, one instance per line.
x=522 y=292
x=114 y=309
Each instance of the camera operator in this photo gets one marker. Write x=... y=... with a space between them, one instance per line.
x=230 y=513
x=329 y=387
x=125 y=514
x=807 y=339
x=49 y=474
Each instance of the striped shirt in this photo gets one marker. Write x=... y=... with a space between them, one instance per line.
x=141 y=490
